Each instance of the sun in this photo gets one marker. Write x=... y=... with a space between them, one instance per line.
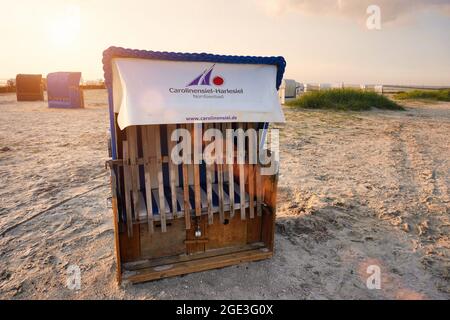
x=64 y=29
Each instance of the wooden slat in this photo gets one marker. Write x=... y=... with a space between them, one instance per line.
x=149 y=263
x=187 y=205
x=251 y=171
x=241 y=140
x=127 y=182
x=148 y=184
x=209 y=173
x=197 y=141
x=220 y=179
x=180 y=199
x=204 y=199
x=133 y=155
x=162 y=199
x=146 y=145
x=198 y=265
x=116 y=224
x=259 y=184
x=259 y=190
x=229 y=151
x=172 y=168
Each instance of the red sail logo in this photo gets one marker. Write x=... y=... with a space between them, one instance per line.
x=204 y=79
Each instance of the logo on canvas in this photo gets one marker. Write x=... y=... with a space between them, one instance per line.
x=204 y=79
x=207 y=85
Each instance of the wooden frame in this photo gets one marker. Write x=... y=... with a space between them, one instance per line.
x=168 y=221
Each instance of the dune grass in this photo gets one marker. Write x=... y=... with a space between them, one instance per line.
x=344 y=99
x=437 y=95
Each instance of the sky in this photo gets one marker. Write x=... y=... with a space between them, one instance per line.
x=323 y=41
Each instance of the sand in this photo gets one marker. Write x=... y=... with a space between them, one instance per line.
x=356 y=189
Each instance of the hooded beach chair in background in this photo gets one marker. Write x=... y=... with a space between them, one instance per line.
x=29 y=87
x=63 y=90
x=174 y=218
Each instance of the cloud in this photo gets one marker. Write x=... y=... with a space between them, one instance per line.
x=391 y=10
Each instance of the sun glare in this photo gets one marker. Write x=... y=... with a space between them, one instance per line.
x=65 y=28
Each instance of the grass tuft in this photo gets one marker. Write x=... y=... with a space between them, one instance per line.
x=344 y=99
x=438 y=95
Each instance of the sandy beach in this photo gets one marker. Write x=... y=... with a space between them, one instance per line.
x=355 y=189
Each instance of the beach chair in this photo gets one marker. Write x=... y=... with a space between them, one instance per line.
x=63 y=90
x=173 y=218
x=29 y=87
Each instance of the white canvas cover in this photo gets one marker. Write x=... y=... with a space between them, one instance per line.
x=149 y=91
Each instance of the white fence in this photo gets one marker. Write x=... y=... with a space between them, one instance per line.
x=379 y=88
